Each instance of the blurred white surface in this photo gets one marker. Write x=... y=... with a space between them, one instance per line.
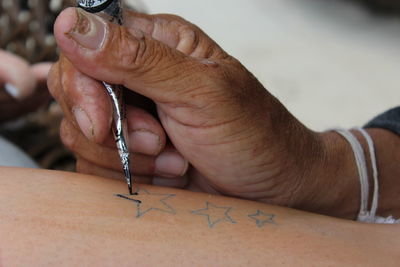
x=331 y=62
x=12 y=156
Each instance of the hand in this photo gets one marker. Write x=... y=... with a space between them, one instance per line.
x=239 y=140
x=22 y=87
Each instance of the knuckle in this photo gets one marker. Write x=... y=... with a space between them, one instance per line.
x=137 y=55
x=187 y=34
x=188 y=39
x=128 y=48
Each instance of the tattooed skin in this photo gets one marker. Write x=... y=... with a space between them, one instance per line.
x=147 y=202
x=213 y=215
x=262 y=218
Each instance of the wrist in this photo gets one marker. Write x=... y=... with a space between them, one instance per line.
x=387 y=151
x=333 y=183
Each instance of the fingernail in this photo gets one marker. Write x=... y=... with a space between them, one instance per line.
x=145 y=142
x=89 y=30
x=171 y=164
x=84 y=122
x=13 y=91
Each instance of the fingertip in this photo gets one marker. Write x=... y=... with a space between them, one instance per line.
x=145 y=142
x=146 y=135
x=171 y=164
x=64 y=23
x=92 y=97
x=88 y=101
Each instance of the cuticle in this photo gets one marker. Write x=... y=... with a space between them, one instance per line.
x=80 y=14
x=80 y=18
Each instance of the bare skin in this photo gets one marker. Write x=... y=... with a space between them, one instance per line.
x=66 y=219
x=239 y=140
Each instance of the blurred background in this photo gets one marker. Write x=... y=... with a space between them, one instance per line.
x=331 y=62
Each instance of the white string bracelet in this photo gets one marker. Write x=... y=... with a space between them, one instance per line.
x=364 y=215
x=362 y=170
x=371 y=147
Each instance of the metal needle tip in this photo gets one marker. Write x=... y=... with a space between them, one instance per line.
x=128 y=176
x=130 y=190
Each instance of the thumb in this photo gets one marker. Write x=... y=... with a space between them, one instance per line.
x=111 y=53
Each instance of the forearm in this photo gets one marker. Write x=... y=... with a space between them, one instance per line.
x=68 y=219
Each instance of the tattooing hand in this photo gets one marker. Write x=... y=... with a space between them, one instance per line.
x=239 y=140
x=22 y=87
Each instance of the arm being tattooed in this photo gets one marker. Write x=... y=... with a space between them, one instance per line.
x=65 y=218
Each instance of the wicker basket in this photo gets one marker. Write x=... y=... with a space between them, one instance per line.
x=26 y=26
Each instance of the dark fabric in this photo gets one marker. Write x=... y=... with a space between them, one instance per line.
x=390 y=120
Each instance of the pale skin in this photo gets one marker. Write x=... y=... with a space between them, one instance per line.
x=66 y=219
x=228 y=135
x=28 y=86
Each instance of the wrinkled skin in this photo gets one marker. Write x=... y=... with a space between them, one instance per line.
x=239 y=139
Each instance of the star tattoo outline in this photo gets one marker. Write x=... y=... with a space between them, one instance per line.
x=258 y=218
x=212 y=223
x=139 y=212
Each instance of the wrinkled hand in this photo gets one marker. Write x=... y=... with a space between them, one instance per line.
x=239 y=139
x=22 y=87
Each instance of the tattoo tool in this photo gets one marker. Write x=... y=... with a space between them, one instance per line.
x=113 y=10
